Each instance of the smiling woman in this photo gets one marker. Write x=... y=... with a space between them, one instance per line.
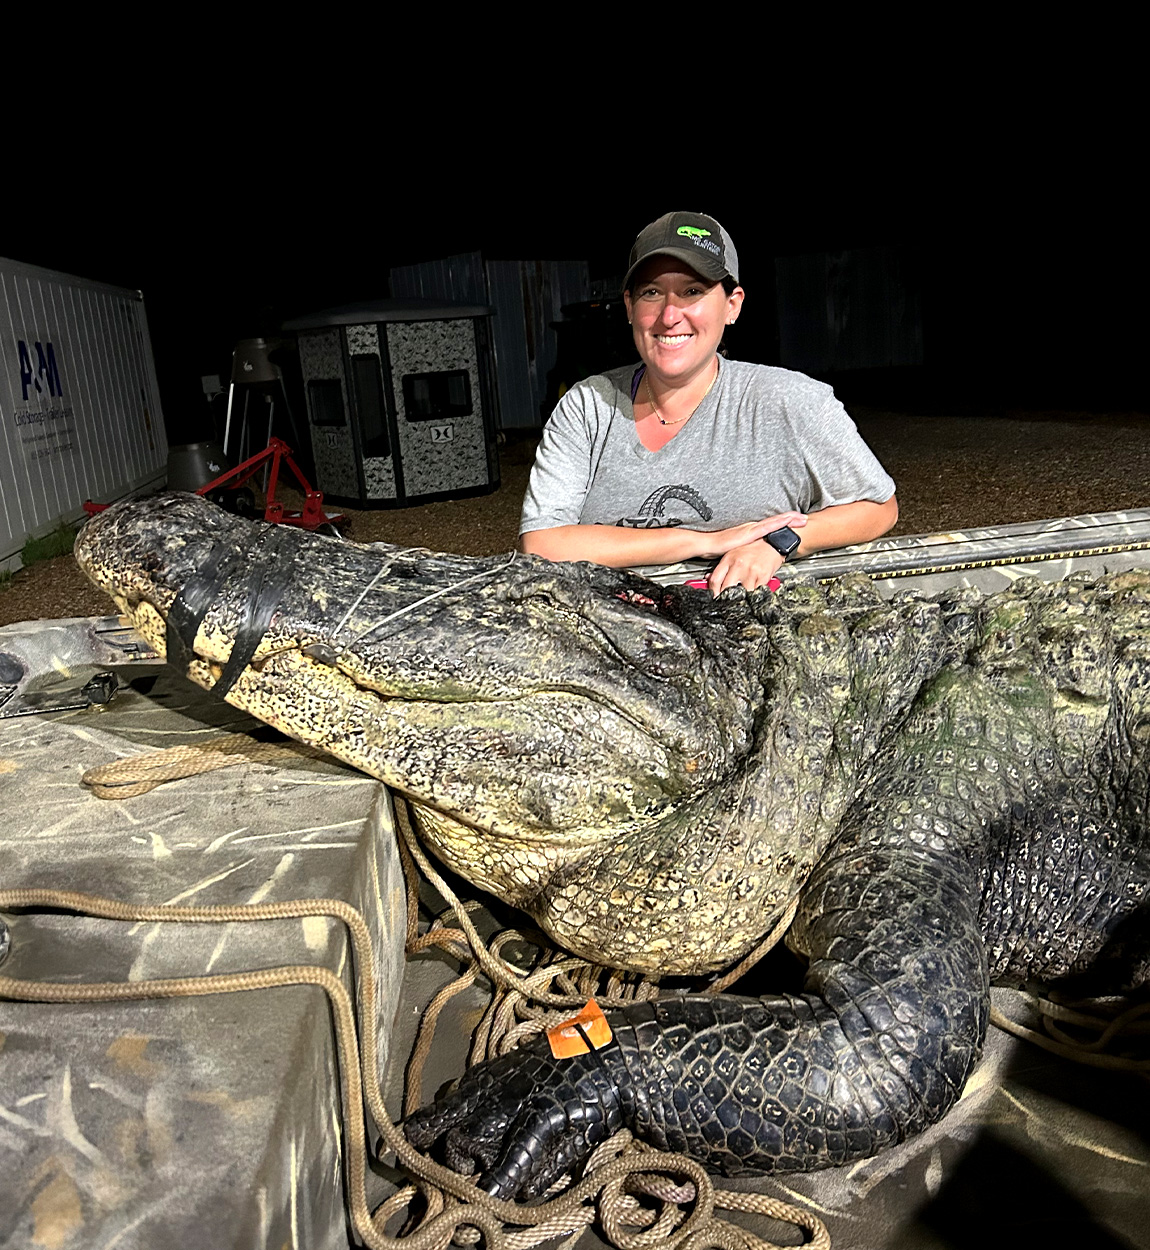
x=688 y=465
x=678 y=320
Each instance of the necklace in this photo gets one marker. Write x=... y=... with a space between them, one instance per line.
x=676 y=420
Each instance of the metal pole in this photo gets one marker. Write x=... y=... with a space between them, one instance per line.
x=228 y=422
x=271 y=416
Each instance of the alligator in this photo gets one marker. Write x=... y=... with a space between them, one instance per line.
x=954 y=788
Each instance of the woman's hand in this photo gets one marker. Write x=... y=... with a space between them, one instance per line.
x=752 y=565
x=726 y=542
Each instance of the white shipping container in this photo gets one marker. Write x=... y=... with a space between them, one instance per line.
x=79 y=407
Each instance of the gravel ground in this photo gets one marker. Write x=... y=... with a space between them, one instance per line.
x=952 y=472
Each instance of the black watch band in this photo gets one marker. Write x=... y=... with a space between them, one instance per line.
x=785 y=541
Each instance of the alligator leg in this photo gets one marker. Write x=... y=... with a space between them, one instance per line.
x=877 y=1047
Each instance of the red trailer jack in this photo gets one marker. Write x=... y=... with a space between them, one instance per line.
x=278 y=452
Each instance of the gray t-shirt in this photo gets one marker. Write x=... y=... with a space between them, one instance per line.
x=764 y=440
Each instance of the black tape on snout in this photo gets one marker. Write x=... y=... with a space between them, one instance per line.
x=191 y=605
x=269 y=566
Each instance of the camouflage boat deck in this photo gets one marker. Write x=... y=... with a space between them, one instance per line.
x=992 y=557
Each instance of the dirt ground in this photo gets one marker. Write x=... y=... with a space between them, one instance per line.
x=952 y=472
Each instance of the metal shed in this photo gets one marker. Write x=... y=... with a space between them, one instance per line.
x=400 y=400
x=79 y=407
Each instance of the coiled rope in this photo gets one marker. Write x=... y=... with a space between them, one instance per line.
x=453 y=1207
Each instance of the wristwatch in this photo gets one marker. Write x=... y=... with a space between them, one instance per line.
x=785 y=541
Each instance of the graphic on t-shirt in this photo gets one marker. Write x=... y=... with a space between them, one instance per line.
x=652 y=512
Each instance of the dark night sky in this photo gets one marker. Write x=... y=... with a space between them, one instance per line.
x=1027 y=222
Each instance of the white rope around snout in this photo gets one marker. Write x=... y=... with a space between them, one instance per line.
x=435 y=594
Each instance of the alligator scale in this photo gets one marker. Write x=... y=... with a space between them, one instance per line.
x=955 y=788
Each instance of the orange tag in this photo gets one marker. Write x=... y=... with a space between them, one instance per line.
x=565 y=1040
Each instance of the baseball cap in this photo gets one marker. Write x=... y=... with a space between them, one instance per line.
x=695 y=238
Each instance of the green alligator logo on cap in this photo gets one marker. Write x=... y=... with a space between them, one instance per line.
x=694 y=232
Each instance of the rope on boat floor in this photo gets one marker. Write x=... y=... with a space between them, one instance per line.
x=523 y=1002
x=639 y=1196
x=1097 y=1023
x=137 y=774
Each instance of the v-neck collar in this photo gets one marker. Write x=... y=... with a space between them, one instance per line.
x=639 y=446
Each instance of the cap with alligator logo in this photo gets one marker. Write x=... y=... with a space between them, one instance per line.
x=692 y=237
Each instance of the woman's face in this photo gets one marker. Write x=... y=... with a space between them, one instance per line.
x=678 y=318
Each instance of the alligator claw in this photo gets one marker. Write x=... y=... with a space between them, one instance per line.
x=523 y=1119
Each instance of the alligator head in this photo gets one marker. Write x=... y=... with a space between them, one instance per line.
x=600 y=751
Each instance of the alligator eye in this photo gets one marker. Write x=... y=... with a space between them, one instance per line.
x=648 y=641
x=627 y=619
x=321 y=651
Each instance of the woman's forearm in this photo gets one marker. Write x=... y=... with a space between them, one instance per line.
x=614 y=546
x=619 y=547
x=846 y=523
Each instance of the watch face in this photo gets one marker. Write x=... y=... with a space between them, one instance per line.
x=783 y=540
